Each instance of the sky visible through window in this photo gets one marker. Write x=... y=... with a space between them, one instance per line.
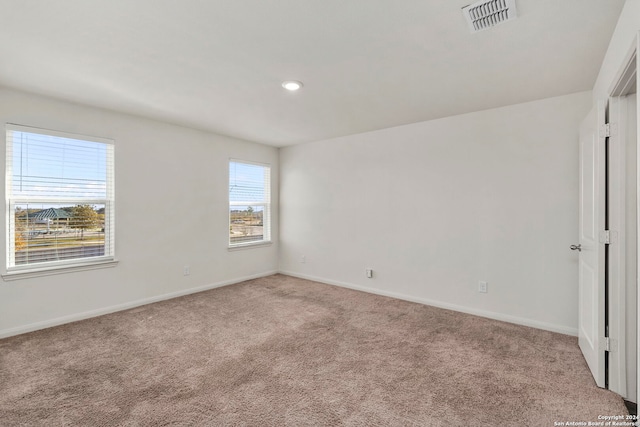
x=57 y=167
x=246 y=184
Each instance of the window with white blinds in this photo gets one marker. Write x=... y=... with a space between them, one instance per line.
x=249 y=203
x=60 y=199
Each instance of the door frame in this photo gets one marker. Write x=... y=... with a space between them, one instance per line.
x=616 y=262
x=623 y=81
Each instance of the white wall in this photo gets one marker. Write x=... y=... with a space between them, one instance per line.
x=171 y=211
x=435 y=207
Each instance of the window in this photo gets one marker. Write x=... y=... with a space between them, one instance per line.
x=59 y=198
x=249 y=203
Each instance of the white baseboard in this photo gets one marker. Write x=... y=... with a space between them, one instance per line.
x=132 y=304
x=4 y=333
x=482 y=313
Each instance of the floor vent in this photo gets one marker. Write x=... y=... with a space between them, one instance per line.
x=489 y=13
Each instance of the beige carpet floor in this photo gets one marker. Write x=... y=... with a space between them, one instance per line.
x=281 y=351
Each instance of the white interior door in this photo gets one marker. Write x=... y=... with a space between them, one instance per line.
x=591 y=254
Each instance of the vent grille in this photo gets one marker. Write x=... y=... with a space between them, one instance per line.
x=489 y=13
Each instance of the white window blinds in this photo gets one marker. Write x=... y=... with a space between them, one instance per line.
x=249 y=203
x=60 y=198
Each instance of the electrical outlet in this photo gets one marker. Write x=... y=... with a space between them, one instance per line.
x=186 y=270
x=483 y=287
x=369 y=273
x=303 y=259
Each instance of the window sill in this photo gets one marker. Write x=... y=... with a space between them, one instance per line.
x=249 y=246
x=62 y=269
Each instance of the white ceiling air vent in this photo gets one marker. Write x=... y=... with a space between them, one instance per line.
x=488 y=13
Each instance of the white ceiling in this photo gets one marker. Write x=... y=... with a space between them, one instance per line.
x=217 y=65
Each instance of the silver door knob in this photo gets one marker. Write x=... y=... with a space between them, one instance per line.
x=576 y=247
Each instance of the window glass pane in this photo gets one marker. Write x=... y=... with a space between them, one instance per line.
x=247 y=183
x=52 y=166
x=247 y=224
x=58 y=231
x=249 y=203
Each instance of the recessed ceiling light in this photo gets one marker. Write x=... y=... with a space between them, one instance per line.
x=292 y=85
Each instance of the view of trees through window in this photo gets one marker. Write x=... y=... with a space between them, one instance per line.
x=55 y=232
x=247 y=224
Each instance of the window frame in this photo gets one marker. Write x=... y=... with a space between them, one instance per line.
x=13 y=271
x=266 y=218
